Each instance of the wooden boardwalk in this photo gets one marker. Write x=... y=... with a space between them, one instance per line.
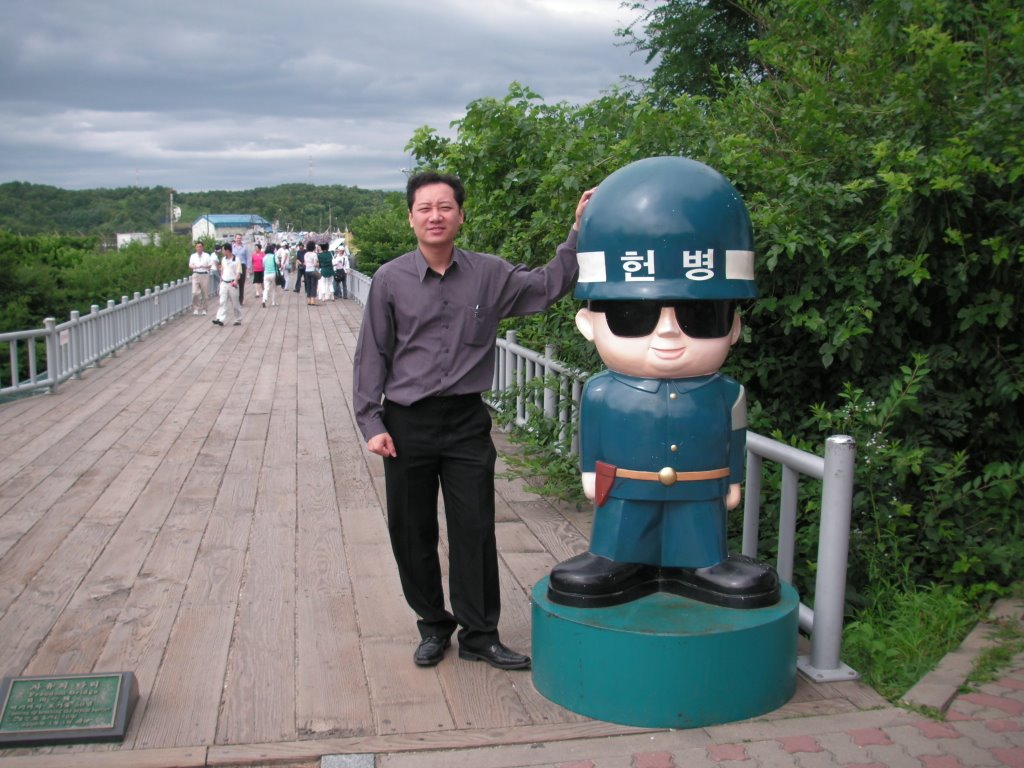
x=200 y=510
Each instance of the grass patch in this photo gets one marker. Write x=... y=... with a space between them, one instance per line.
x=1009 y=642
x=903 y=634
x=1009 y=639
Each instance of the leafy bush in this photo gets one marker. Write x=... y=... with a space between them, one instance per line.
x=879 y=152
x=51 y=275
x=922 y=507
x=383 y=235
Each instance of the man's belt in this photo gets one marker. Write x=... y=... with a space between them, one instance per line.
x=201 y=272
x=606 y=474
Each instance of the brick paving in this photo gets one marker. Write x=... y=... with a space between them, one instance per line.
x=981 y=726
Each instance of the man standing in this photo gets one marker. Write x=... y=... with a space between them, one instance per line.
x=426 y=349
x=230 y=272
x=300 y=267
x=244 y=258
x=340 y=264
x=200 y=263
x=284 y=263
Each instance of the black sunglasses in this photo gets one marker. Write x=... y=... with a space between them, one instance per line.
x=698 y=319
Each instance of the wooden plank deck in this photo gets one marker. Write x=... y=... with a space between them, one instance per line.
x=200 y=510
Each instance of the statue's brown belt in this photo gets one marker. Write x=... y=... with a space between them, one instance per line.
x=669 y=476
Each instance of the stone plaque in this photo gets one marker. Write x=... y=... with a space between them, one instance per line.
x=58 y=709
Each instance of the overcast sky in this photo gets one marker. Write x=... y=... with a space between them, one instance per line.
x=235 y=95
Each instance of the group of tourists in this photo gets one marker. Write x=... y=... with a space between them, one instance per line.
x=323 y=273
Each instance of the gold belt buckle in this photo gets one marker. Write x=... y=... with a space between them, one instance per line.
x=667 y=476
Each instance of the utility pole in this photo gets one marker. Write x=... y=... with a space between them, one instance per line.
x=170 y=211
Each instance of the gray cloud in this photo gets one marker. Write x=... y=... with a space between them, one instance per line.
x=206 y=95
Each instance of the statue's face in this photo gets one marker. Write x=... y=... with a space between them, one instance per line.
x=666 y=352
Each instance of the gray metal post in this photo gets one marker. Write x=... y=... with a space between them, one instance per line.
x=510 y=366
x=107 y=343
x=550 y=396
x=788 y=491
x=134 y=324
x=52 y=361
x=94 y=336
x=75 y=341
x=752 y=505
x=123 y=322
x=823 y=664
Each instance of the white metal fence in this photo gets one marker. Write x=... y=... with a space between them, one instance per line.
x=45 y=357
x=555 y=399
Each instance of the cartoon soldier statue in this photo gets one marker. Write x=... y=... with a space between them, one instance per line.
x=665 y=254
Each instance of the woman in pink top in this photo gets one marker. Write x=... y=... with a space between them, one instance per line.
x=257 y=269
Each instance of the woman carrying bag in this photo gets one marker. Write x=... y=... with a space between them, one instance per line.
x=273 y=279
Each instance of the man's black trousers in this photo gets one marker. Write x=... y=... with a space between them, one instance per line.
x=445 y=442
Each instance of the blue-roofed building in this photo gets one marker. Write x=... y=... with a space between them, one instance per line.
x=224 y=225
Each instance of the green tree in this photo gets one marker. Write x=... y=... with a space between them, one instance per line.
x=383 y=235
x=39 y=209
x=699 y=46
x=49 y=275
x=878 y=148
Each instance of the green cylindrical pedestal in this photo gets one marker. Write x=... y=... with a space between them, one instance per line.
x=665 y=661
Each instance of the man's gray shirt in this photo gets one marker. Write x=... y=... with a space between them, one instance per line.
x=425 y=334
x=243 y=255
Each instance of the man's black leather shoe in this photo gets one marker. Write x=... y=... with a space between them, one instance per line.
x=497 y=655
x=431 y=650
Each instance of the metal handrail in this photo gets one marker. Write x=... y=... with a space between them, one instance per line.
x=516 y=365
x=84 y=340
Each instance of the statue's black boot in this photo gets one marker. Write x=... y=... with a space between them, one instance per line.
x=593 y=581
x=736 y=582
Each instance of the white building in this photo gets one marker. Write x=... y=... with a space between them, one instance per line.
x=222 y=226
x=124 y=238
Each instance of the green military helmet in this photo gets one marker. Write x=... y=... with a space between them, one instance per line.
x=665 y=228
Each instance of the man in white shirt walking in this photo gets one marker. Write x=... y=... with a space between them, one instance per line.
x=200 y=263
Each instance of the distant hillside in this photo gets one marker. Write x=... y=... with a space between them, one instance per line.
x=34 y=209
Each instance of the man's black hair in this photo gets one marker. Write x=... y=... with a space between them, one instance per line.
x=424 y=178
